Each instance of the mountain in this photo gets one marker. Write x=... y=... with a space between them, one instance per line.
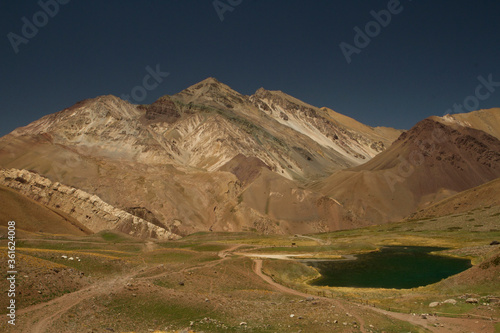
x=435 y=159
x=194 y=161
x=210 y=158
x=482 y=196
x=294 y=139
x=485 y=120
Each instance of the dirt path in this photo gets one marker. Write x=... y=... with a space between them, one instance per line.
x=273 y=256
x=317 y=240
x=224 y=255
x=37 y=318
x=257 y=268
x=303 y=256
x=432 y=323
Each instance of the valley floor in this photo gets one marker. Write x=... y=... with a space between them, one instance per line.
x=220 y=282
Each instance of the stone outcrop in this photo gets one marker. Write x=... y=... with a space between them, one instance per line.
x=87 y=208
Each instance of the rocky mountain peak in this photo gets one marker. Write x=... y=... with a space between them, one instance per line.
x=210 y=86
x=211 y=91
x=81 y=114
x=284 y=107
x=101 y=106
x=210 y=80
x=262 y=93
x=462 y=156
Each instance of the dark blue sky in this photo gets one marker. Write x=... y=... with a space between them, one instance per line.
x=426 y=59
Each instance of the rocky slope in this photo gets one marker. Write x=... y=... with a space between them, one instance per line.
x=294 y=139
x=485 y=120
x=88 y=209
x=428 y=163
x=178 y=158
x=210 y=158
x=32 y=216
x=351 y=139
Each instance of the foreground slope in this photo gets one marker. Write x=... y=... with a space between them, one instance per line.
x=206 y=283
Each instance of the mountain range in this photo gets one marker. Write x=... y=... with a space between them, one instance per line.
x=211 y=159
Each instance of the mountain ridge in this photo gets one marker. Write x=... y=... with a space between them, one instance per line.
x=210 y=158
x=425 y=164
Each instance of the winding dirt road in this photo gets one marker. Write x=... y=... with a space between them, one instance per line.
x=37 y=318
x=257 y=268
x=431 y=323
x=317 y=240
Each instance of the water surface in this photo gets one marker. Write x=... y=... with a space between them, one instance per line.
x=393 y=267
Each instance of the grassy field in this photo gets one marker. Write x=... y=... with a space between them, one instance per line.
x=193 y=283
x=466 y=235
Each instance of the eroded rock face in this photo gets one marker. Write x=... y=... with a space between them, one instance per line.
x=352 y=140
x=163 y=109
x=88 y=209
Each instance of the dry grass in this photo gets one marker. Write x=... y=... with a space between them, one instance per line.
x=227 y=291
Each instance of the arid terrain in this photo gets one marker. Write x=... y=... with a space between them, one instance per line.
x=211 y=159
x=188 y=214
x=222 y=282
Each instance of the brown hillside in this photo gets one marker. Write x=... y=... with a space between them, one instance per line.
x=246 y=169
x=426 y=164
x=481 y=196
x=297 y=209
x=34 y=217
x=485 y=120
